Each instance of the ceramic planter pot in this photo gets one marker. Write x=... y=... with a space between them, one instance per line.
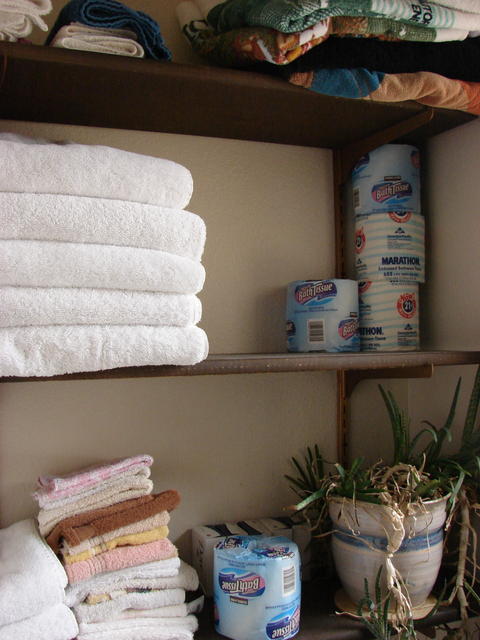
x=361 y=538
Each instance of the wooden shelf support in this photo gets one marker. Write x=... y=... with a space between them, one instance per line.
x=352 y=378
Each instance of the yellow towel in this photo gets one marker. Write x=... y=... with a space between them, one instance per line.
x=130 y=539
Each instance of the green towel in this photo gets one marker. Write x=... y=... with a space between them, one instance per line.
x=289 y=16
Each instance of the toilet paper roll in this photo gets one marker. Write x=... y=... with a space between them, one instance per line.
x=390 y=246
x=389 y=316
x=322 y=315
x=257 y=588
x=387 y=179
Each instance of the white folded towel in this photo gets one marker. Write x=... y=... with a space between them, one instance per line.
x=32 y=166
x=158 y=598
x=32 y=263
x=32 y=578
x=107 y=489
x=126 y=489
x=55 y=623
x=43 y=216
x=28 y=306
x=140 y=629
x=171 y=573
x=18 y=17
x=120 y=42
x=127 y=478
x=49 y=351
x=170 y=611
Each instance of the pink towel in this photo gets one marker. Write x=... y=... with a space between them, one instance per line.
x=120 y=558
x=70 y=483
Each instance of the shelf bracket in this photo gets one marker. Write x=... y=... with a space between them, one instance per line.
x=352 y=378
x=349 y=154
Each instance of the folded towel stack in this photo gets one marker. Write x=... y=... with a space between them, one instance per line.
x=108 y=26
x=19 y=17
x=32 y=587
x=100 y=263
x=111 y=534
x=381 y=51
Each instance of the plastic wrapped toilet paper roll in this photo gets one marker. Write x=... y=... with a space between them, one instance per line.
x=387 y=179
x=322 y=315
x=257 y=588
x=390 y=246
x=389 y=316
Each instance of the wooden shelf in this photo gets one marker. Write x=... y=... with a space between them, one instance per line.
x=280 y=363
x=318 y=620
x=45 y=84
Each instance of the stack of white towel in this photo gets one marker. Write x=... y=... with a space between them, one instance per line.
x=125 y=579
x=19 y=17
x=32 y=588
x=100 y=263
x=147 y=601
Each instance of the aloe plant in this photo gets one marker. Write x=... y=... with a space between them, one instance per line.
x=430 y=472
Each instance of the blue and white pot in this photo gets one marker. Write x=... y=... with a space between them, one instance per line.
x=367 y=535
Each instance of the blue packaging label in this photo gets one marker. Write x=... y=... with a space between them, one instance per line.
x=245 y=583
x=315 y=293
x=322 y=315
x=257 y=587
x=390 y=191
x=285 y=625
x=387 y=179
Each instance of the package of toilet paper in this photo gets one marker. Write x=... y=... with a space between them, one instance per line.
x=322 y=315
x=387 y=179
x=389 y=315
x=257 y=588
x=390 y=246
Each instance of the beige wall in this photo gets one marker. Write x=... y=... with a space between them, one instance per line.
x=451 y=300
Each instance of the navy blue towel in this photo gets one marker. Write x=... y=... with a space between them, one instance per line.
x=111 y=14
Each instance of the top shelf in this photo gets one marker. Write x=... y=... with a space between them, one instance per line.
x=45 y=84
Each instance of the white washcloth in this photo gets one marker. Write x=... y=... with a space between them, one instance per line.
x=34 y=166
x=14 y=26
x=157 y=520
x=43 y=216
x=18 y=17
x=130 y=600
x=120 y=42
x=49 y=351
x=170 y=611
x=29 y=306
x=133 y=487
x=32 y=263
x=32 y=579
x=48 y=501
x=171 y=573
x=55 y=623
x=140 y=629
x=110 y=487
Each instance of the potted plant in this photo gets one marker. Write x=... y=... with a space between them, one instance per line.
x=387 y=521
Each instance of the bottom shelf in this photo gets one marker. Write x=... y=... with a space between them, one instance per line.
x=318 y=620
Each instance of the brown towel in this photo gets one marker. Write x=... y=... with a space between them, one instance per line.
x=98 y=521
